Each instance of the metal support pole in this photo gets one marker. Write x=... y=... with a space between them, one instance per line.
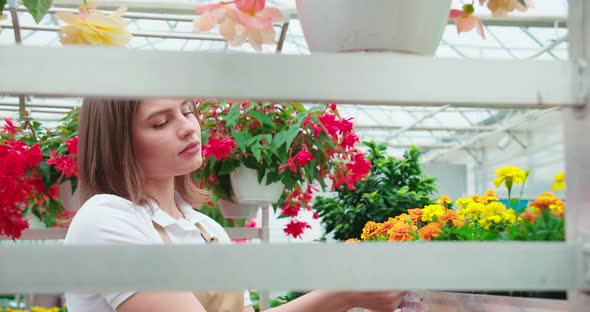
x=264 y=299
x=576 y=121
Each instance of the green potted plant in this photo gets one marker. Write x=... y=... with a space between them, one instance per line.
x=392 y=187
x=34 y=162
x=281 y=144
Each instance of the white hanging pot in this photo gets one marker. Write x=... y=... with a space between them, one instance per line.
x=231 y=210
x=407 y=26
x=69 y=199
x=247 y=190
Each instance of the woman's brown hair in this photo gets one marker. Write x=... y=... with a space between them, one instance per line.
x=106 y=160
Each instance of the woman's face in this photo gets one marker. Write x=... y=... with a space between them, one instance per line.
x=166 y=138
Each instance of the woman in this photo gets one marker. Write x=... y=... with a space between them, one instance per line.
x=135 y=162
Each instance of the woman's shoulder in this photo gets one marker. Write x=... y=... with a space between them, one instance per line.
x=106 y=218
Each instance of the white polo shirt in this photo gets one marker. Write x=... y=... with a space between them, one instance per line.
x=110 y=219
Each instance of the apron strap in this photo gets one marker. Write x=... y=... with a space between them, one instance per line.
x=167 y=241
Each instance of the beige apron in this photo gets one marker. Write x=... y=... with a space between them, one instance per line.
x=212 y=301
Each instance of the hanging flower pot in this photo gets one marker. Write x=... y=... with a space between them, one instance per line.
x=232 y=210
x=247 y=190
x=404 y=26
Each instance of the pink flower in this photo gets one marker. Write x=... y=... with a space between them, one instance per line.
x=290 y=164
x=303 y=157
x=240 y=21
x=466 y=21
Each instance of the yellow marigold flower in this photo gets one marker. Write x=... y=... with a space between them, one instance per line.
x=41 y=309
x=369 y=230
x=558 y=182
x=448 y=216
x=493 y=209
x=444 y=200
x=352 y=241
x=430 y=231
x=94 y=28
x=488 y=221
x=464 y=202
x=401 y=232
x=509 y=216
x=472 y=211
x=415 y=214
x=459 y=222
x=432 y=212
x=509 y=176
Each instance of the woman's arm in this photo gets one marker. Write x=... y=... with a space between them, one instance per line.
x=341 y=301
x=161 y=301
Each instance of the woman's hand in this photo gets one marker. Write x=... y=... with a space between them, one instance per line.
x=377 y=301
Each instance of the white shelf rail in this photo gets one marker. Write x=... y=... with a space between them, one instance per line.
x=433 y=266
x=344 y=78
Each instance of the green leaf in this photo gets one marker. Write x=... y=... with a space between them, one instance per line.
x=298 y=107
x=241 y=139
x=291 y=134
x=279 y=139
x=232 y=116
x=2 y=4
x=229 y=167
x=37 y=8
x=262 y=118
x=256 y=150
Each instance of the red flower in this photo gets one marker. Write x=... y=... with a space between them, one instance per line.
x=289 y=210
x=303 y=157
x=12 y=224
x=315 y=215
x=72 y=145
x=295 y=228
x=64 y=164
x=219 y=148
x=349 y=140
x=9 y=127
x=290 y=164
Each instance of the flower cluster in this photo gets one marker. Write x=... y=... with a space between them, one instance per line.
x=284 y=142
x=475 y=218
x=240 y=21
x=33 y=162
x=466 y=21
x=35 y=309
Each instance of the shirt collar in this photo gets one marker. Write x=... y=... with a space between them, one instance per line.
x=164 y=219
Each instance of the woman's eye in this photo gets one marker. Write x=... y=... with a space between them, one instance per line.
x=188 y=113
x=160 y=125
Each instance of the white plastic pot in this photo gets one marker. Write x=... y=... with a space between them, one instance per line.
x=247 y=190
x=237 y=211
x=407 y=26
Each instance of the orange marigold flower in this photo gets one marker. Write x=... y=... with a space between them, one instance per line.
x=415 y=214
x=448 y=217
x=546 y=200
x=385 y=226
x=352 y=241
x=370 y=230
x=444 y=200
x=476 y=198
x=400 y=231
x=430 y=231
x=491 y=196
x=529 y=216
